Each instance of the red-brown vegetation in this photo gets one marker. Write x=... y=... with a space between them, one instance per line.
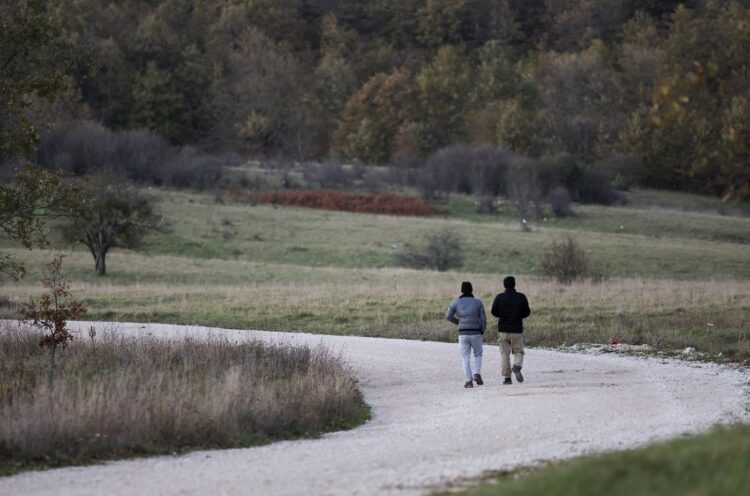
x=382 y=203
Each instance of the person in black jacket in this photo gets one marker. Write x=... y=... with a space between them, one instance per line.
x=510 y=308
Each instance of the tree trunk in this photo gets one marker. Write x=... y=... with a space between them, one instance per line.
x=51 y=373
x=101 y=263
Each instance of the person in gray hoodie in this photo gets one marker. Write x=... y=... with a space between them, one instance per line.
x=468 y=313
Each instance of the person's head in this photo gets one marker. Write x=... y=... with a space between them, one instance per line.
x=466 y=288
x=509 y=282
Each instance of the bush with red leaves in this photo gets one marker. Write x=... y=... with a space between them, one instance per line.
x=382 y=203
x=53 y=311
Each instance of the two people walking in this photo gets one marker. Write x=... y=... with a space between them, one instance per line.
x=510 y=308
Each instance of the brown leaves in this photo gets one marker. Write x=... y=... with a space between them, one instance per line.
x=382 y=203
x=54 y=308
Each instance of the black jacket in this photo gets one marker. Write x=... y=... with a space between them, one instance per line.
x=510 y=307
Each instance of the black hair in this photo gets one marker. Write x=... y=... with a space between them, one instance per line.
x=466 y=288
x=509 y=282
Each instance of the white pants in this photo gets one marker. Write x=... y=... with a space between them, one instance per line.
x=467 y=343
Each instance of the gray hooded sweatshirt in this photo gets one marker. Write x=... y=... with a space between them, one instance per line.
x=468 y=313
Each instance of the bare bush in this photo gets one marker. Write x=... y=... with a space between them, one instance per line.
x=584 y=183
x=328 y=175
x=188 y=168
x=89 y=148
x=130 y=395
x=374 y=181
x=479 y=170
x=524 y=191
x=565 y=261
x=595 y=186
x=141 y=156
x=559 y=200
x=440 y=251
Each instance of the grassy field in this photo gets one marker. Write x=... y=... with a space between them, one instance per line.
x=654 y=244
x=204 y=229
x=642 y=218
x=708 y=315
x=243 y=266
x=715 y=463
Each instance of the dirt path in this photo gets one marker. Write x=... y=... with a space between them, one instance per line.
x=427 y=430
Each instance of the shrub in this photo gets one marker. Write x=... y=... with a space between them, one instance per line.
x=328 y=175
x=124 y=396
x=375 y=180
x=559 y=200
x=479 y=170
x=89 y=148
x=584 y=183
x=141 y=156
x=382 y=203
x=52 y=312
x=440 y=251
x=523 y=189
x=566 y=261
x=188 y=168
x=595 y=186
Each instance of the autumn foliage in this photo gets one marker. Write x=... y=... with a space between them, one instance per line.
x=53 y=310
x=382 y=203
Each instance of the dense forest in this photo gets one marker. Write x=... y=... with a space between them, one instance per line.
x=651 y=92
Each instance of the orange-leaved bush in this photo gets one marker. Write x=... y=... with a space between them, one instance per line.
x=382 y=203
x=53 y=310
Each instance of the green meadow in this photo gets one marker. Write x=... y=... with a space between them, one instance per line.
x=673 y=277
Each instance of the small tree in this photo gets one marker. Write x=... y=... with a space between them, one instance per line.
x=115 y=217
x=441 y=251
x=566 y=261
x=53 y=310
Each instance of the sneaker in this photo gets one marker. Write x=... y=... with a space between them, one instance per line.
x=469 y=384
x=478 y=379
x=507 y=381
x=517 y=372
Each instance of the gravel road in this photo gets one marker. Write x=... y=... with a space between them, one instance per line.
x=427 y=430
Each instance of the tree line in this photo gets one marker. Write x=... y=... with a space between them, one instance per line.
x=654 y=92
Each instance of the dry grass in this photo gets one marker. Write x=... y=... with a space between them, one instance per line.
x=407 y=303
x=122 y=395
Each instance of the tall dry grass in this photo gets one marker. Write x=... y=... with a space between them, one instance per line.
x=710 y=315
x=121 y=395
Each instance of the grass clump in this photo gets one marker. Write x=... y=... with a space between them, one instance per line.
x=118 y=396
x=714 y=463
